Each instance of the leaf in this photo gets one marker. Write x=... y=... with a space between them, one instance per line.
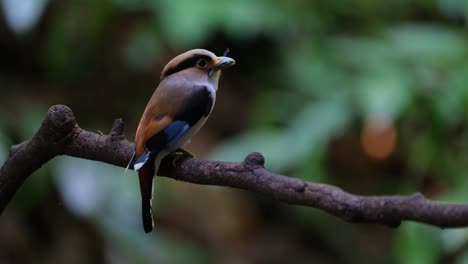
x=385 y=92
x=417 y=243
x=143 y=48
x=425 y=43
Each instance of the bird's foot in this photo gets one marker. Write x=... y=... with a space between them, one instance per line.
x=180 y=154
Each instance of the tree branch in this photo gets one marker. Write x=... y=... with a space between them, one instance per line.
x=59 y=134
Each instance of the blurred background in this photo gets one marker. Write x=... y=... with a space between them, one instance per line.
x=367 y=95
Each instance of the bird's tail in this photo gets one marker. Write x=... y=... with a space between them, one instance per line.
x=146 y=175
x=130 y=162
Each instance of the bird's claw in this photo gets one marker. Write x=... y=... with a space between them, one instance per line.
x=180 y=154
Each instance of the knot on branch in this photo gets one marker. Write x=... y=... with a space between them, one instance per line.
x=116 y=132
x=57 y=125
x=254 y=160
x=299 y=186
x=417 y=197
x=58 y=121
x=60 y=118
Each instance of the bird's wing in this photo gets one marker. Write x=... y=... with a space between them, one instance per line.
x=150 y=125
x=164 y=130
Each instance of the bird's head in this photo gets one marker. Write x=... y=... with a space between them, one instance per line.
x=197 y=64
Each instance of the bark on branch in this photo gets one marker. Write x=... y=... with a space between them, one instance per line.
x=59 y=134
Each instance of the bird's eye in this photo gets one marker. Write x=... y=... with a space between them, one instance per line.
x=201 y=64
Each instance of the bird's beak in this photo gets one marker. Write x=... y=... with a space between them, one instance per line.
x=223 y=62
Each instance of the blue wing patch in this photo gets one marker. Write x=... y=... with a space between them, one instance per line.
x=175 y=131
x=141 y=161
x=168 y=136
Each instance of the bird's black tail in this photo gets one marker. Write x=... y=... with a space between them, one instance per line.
x=146 y=175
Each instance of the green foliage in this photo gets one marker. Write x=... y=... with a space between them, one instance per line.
x=417 y=244
x=80 y=26
x=307 y=131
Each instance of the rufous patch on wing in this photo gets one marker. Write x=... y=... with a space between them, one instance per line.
x=147 y=129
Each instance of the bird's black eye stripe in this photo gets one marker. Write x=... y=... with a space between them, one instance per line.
x=185 y=64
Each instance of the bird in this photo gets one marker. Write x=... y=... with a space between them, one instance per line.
x=178 y=108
